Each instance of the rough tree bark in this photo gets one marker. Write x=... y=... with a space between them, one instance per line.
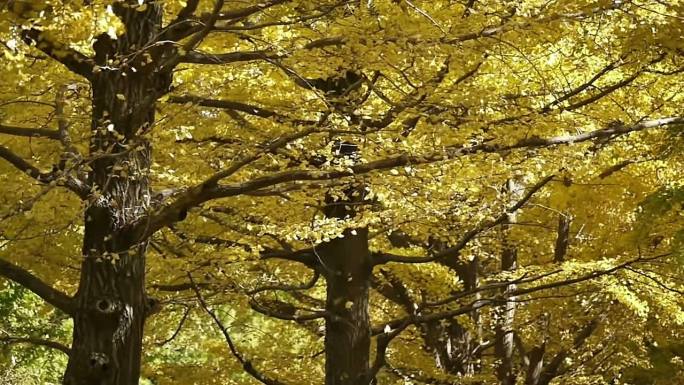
x=111 y=301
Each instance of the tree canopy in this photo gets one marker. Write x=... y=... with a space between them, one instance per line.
x=343 y=192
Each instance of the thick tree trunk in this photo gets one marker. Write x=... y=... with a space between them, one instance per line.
x=112 y=304
x=347 y=267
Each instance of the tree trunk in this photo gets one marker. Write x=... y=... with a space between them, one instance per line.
x=347 y=337
x=347 y=267
x=503 y=344
x=111 y=298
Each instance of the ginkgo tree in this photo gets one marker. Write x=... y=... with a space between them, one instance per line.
x=154 y=123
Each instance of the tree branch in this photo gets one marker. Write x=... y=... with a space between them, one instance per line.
x=178 y=328
x=381 y=258
x=480 y=303
x=656 y=281
x=516 y=25
x=303 y=256
x=9 y=340
x=210 y=189
x=382 y=343
x=284 y=287
x=182 y=16
x=246 y=364
x=248 y=11
x=196 y=57
x=177 y=287
x=553 y=368
x=73 y=60
x=197 y=38
x=27 y=168
x=224 y=104
x=324 y=10
x=24 y=166
x=417 y=96
x=581 y=87
x=285 y=311
x=51 y=295
x=183 y=25
x=29 y=132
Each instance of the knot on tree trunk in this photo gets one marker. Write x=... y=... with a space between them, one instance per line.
x=107 y=306
x=99 y=362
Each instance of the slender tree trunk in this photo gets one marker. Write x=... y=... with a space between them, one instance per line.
x=347 y=267
x=504 y=329
x=112 y=304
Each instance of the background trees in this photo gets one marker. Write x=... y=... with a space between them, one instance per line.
x=480 y=190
